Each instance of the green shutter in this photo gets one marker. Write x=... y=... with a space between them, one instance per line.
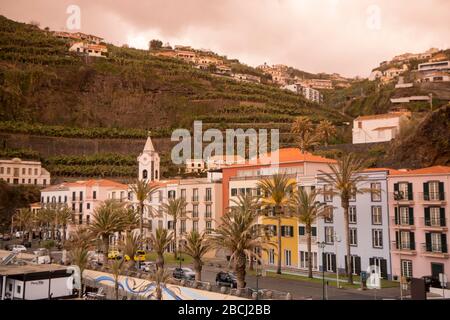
x=411 y=216
x=442 y=216
x=441 y=191
x=358 y=265
x=383 y=267
x=428 y=242
x=427 y=216
x=412 y=244
x=301 y=231
x=426 y=191
x=396 y=215
x=396 y=187
x=410 y=191
x=314 y=231
x=444 y=242
x=397 y=240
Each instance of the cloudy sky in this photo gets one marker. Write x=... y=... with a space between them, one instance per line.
x=346 y=36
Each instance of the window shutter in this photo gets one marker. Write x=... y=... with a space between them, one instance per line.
x=383 y=267
x=396 y=215
x=333 y=262
x=441 y=191
x=410 y=191
x=283 y=231
x=301 y=230
x=426 y=191
x=397 y=239
x=444 y=242
x=411 y=216
x=346 y=265
x=428 y=242
x=442 y=216
x=412 y=240
x=371 y=261
x=291 y=229
x=396 y=187
x=358 y=265
x=427 y=216
x=314 y=231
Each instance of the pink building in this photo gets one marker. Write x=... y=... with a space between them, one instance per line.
x=419 y=210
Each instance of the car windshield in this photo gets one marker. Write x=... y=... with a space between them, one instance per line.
x=140 y=252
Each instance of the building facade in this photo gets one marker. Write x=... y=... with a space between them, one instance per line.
x=377 y=128
x=17 y=171
x=419 y=210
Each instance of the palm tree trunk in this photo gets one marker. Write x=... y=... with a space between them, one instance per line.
x=105 y=240
x=175 y=238
x=198 y=270
x=347 y=240
x=160 y=261
x=240 y=270
x=279 y=246
x=308 y=232
x=141 y=221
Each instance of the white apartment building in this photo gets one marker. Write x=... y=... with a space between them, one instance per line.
x=17 y=171
x=219 y=161
x=83 y=197
x=434 y=66
x=194 y=165
x=306 y=91
x=378 y=128
x=369 y=227
x=92 y=50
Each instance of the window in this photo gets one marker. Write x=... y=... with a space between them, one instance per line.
x=88 y=219
x=352 y=214
x=352 y=195
x=404 y=216
x=81 y=207
x=287 y=257
x=436 y=242
x=2 y=170
x=144 y=174
x=208 y=227
x=233 y=192
x=377 y=238
x=160 y=195
x=433 y=190
x=375 y=191
x=88 y=206
x=271 y=230
x=113 y=195
x=328 y=214
x=376 y=215
x=353 y=237
x=19 y=289
x=10 y=287
x=65 y=199
x=435 y=217
x=359 y=124
x=170 y=225
x=94 y=195
x=407 y=268
x=160 y=224
x=195 y=194
x=183 y=194
x=183 y=226
x=287 y=231
x=24 y=171
x=405 y=240
x=30 y=171
x=301 y=231
x=171 y=194
x=330 y=262
x=271 y=256
x=195 y=211
x=73 y=196
x=329 y=235
x=195 y=225
x=304 y=260
x=208 y=211
x=208 y=194
x=328 y=193
x=403 y=188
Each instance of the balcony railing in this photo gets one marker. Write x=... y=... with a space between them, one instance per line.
x=401 y=197
x=403 y=222
x=432 y=196
x=194 y=198
x=433 y=222
x=434 y=248
x=207 y=199
x=404 y=246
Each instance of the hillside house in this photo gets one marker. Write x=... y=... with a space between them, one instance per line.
x=91 y=50
x=378 y=128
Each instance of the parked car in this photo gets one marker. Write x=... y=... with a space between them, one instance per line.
x=148 y=266
x=6 y=237
x=17 y=248
x=184 y=273
x=431 y=282
x=224 y=278
x=139 y=256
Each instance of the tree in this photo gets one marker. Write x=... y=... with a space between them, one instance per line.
x=64 y=217
x=307 y=141
x=160 y=241
x=160 y=277
x=108 y=218
x=175 y=208
x=344 y=178
x=143 y=190
x=196 y=247
x=116 y=268
x=25 y=220
x=325 y=131
x=301 y=125
x=131 y=246
x=155 y=44
x=80 y=257
x=238 y=234
x=275 y=195
x=307 y=210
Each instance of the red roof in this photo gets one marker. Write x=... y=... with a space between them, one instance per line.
x=429 y=170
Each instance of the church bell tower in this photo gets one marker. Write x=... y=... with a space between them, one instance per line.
x=148 y=162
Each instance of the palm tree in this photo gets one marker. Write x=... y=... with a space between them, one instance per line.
x=301 y=125
x=306 y=141
x=160 y=277
x=175 y=208
x=25 y=219
x=307 y=209
x=108 y=218
x=196 y=247
x=142 y=190
x=326 y=130
x=45 y=218
x=275 y=195
x=131 y=246
x=238 y=234
x=64 y=216
x=160 y=241
x=116 y=268
x=80 y=257
x=345 y=180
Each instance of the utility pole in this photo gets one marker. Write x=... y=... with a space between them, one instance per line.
x=431 y=101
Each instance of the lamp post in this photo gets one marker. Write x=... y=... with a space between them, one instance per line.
x=336 y=240
x=321 y=245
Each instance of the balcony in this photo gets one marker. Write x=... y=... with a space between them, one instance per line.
x=403 y=223
x=401 y=198
x=207 y=199
x=434 y=250
x=405 y=248
x=433 y=198
x=434 y=224
x=194 y=198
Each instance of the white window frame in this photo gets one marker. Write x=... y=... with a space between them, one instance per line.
x=377 y=238
x=377 y=212
x=287 y=257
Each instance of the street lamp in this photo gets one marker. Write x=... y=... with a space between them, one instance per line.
x=336 y=240
x=321 y=245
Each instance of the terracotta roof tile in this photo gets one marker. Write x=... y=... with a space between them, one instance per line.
x=429 y=170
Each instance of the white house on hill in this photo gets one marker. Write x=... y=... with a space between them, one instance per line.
x=378 y=128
